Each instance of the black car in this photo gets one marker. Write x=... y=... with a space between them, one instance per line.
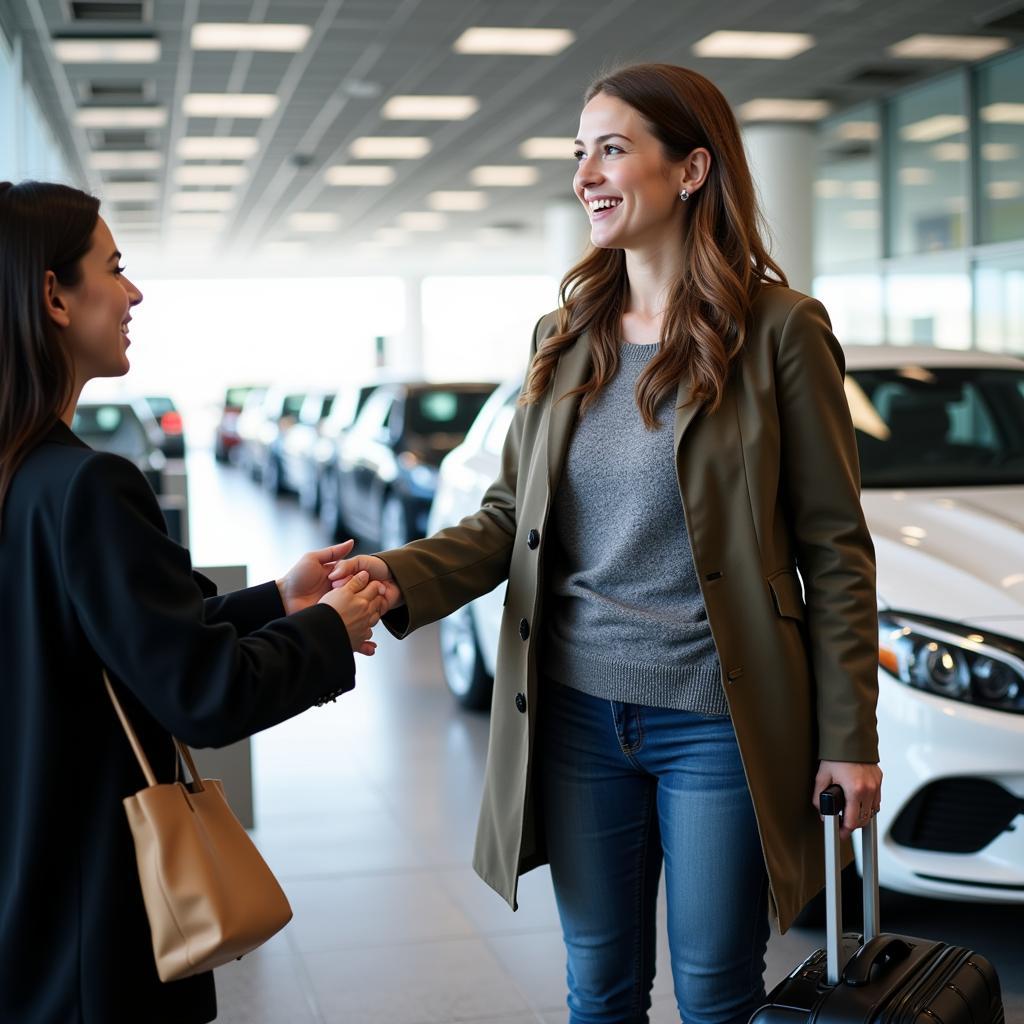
x=387 y=462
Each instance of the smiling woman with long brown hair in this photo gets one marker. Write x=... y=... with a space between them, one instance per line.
x=682 y=458
x=90 y=580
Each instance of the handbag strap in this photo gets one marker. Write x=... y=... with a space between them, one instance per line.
x=140 y=755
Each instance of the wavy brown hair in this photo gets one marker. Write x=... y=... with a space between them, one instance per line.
x=725 y=261
x=42 y=227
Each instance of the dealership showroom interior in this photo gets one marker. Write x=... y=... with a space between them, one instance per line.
x=337 y=228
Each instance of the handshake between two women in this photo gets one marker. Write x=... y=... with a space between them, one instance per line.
x=360 y=596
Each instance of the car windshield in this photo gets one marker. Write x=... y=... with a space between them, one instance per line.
x=445 y=411
x=111 y=428
x=234 y=397
x=160 y=405
x=923 y=426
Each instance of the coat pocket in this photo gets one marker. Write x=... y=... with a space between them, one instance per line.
x=786 y=594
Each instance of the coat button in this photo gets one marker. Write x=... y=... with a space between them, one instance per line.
x=532 y=539
x=524 y=629
x=521 y=703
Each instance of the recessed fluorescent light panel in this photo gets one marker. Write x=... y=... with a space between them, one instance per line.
x=1003 y=113
x=547 y=148
x=457 y=201
x=532 y=42
x=930 y=129
x=198 y=221
x=390 y=236
x=206 y=201
x=201 y=174
x=1004 y=189
x=131 y=191
x=932 y=47
x=999 y=151
x=359 y=174
x=756 y=45
x=950 y=152
x=126 y=160
x=513 y=176
x=230 y=104
x=783 y=110
x=430 y=108
x=390 y=147
x=313 y=221
x=107 y=51
x=916 y=176
x=858 y=131
x=246 y=36
x=216 y=147
x=426 y=220
x=121 y=117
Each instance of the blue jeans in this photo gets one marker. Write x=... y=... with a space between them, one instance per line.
x=622 y=788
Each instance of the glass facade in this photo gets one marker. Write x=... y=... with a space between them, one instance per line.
x=27 y=146
x=919 y=213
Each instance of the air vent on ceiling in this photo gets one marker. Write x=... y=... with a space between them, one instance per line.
x=116 y=92
x=884 y=76
x=1009 y=18
x=121 y=138
x=109 y=10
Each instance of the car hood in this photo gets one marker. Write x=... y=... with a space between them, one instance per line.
x=954 y=553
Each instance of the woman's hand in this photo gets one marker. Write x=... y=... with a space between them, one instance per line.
x=378 y=571
x=307 y=581
x=861 y=785
x=360 y=604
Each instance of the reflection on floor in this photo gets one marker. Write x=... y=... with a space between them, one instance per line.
x=366 y=810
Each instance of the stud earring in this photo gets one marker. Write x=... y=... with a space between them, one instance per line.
x=684 y=195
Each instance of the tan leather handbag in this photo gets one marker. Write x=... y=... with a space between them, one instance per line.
x=209 y=895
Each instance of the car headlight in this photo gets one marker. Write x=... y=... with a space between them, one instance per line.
x=953 y=661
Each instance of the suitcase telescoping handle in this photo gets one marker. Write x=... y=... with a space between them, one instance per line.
x=831 y=803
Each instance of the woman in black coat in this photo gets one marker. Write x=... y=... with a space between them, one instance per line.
x=89 y=580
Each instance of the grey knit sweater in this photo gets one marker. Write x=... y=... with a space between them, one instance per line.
x=625 y=619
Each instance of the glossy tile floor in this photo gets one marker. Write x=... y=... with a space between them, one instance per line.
x=366 y=810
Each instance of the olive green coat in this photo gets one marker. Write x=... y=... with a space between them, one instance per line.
x=769 y=484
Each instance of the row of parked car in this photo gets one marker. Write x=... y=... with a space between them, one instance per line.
x=364 y=459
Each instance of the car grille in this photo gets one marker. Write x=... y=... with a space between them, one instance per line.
x=957 y=816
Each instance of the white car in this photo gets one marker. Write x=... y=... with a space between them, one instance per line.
x=941 y=441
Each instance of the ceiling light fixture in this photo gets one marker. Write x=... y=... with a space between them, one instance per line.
x=107 y=51
x=426 y=220
x=204 y=201
x=949 y=152
x=1004 y=189
x=210 y=35
x=126 y=160
x=547 y=148
x=198 y=221
x=513 y=176
x=916 y=176
x=948 y=47
x=430 y=108
x=230 y=104
x=532 y=42
x=121 y=117
x=217 y=147
x=931 y=129
x=858 y=131
x=457 y=201
x=359 y=174
x=756 y=45
x=996 y=152
x=783 y=110
x=390 y=236
x=131 y=191
x=202 y=174
x=390 y=147
x=312 y=220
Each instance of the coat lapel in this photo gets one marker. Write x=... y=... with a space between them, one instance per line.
x=572 y=371
x=685 y=410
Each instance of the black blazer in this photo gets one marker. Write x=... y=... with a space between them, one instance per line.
x=89 y=578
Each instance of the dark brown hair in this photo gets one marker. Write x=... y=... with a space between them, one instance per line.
x=725 y=261
x=42 y=227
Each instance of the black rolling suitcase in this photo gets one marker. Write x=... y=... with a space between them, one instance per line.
x=879 y=978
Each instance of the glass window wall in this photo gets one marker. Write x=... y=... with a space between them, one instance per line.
x=928 y=302
x=928 y=145
x=999 y=304
x=1000 y=92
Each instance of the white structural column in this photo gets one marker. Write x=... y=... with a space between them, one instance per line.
x=566 y=235
x=782 y=158
x=405 y=352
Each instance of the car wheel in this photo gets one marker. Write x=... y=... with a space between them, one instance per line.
x=464 y=670
x=271 y=476
x=394 y=530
